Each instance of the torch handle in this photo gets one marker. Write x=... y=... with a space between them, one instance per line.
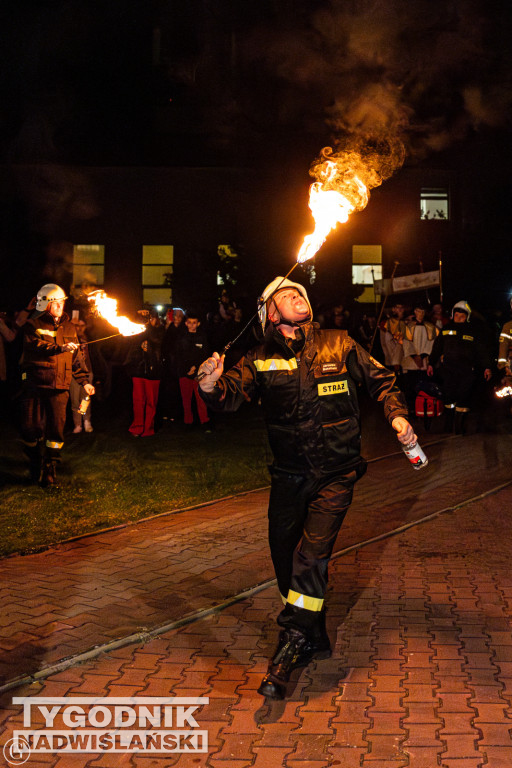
x=200 y=376
x=93 y=341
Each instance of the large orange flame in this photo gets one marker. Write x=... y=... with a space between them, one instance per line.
x=342 y=186
x=106 y=307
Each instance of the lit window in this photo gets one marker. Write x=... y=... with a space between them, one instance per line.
x=434 y=203
x=88 y=268
x=157 y=268
x=365 y=274
x=366 y=268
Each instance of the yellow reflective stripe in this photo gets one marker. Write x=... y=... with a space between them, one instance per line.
x=449 y=333
x=468 y=338
x=305 y=601
x=283 y=598
x=461 y=410
x=53 y=444
x=449 y=405
x=275 y=364
x=46 y=332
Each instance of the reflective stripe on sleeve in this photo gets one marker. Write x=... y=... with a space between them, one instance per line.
x=275 y=364
x=46 y=332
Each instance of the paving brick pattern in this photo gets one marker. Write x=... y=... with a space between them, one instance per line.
x=75 y=596
x=421 y=673
x=420 y=622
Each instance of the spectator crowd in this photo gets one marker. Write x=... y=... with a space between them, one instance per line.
x=457 y=350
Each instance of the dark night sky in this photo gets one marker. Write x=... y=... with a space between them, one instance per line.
x=83 y=81
x=241 y=82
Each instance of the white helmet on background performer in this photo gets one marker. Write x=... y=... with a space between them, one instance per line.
x=47 y=294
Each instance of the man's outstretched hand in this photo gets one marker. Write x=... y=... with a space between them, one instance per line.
x=210 y=371
x=404 y=430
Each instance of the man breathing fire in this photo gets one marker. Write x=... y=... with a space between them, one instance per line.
x=307 y=379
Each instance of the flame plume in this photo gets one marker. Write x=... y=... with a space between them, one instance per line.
x=343 y=182
x=106 y=307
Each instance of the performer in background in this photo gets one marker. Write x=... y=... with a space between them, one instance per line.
x=461 y=354
x=48 y=362
x=307 y=379
x=505 y=352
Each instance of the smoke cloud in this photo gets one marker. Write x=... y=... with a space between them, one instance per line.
x=423 y=70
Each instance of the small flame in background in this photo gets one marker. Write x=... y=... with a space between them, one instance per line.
x=504 y=392
x=106 y=307
x=343 y=182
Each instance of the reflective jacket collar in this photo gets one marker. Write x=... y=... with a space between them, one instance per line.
x=47 y=317
x=303 y=346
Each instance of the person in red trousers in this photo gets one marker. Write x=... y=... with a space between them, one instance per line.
x=191 y=350
x=145 y=362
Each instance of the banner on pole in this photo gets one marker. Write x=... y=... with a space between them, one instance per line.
x=415 y=282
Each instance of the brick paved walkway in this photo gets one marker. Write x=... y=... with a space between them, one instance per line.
x=421 y=674
x=421 y=621
x=72 y=597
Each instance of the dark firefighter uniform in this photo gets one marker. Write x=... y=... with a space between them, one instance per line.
x=308 y=389
x=460 y=350
x=46 y=373
x=505 y=349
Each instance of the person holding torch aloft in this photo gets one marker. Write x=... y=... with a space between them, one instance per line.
x=307 y=379
x=48 y=363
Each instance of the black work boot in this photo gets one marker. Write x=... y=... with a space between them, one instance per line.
x=293 y=650
x=48 y=473
x=449 y=418
x=460 y=423
x=34 y=454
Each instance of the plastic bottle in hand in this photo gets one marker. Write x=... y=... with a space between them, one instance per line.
x=415 y=454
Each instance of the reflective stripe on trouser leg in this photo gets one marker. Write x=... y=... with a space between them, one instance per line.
x=458 y=382
x=325 y=513
x=55 y=405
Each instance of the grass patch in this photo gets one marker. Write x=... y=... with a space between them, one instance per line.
x=108 y=478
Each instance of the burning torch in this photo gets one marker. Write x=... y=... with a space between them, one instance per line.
x=106 y=307
x=342 y=186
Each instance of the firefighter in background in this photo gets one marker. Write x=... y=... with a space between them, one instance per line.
x=48 y=363
x=505 y=354
x=307 y=379
x=461 y=352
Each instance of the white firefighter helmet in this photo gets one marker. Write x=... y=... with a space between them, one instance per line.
x=48 y=293
x=280 y=284
x=462 y=306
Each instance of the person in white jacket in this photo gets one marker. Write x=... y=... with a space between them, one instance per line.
x=417 y=345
